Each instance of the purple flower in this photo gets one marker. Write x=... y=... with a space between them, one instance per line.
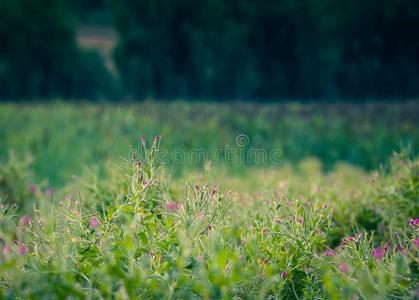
x=300 y=221
x=343 y=267
x=416 y=242
x=283 y=275
x=172 y=206
x=377 y=253
x=329 y=253
x=22 y=250
x=414 y=222
x=24 y=220
x=32 y=188
x=94 y=222
x=49 y=192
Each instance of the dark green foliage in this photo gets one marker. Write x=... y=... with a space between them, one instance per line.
x=39 y=56
x=266 y=49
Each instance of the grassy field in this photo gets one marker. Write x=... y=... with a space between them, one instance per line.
x=64 y=139
x=85 y=216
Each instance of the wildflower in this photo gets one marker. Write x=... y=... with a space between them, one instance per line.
x=416 y=242
x=343 y=267
x=329 y=253
x=377 y=253
x=1 y=206
x=32 y=188
x=210 y=227
x=350 y=239
x=414 y=222
x=145 y=183
x=49 y=192
x=214 y=191
x=386 y=246
x=22 y=250
x=94 y=222
x=172 y=206
x=6 y=250
x=283 y=275
x=399 y=248
x=300 y=221
x=24 y=221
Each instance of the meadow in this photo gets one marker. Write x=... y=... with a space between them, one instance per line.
x=90 y=210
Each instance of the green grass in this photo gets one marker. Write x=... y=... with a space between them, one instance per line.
x=337 y=217
x=134 y=234
x=64 y=139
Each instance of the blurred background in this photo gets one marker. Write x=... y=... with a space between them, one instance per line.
x=80 y=80
x=212 y=49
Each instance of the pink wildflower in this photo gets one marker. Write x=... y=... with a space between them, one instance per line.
x=329 y=253
x=416 y=242
x=283 y=275
x=386 y=246
x=377 y=253
x=22 y=250
x=32 y=188
x=214 y=191
x=350 y=239
x=94 y=222
x=24 y=221
x=399 y=249
x=172 y=206
x=145 y=183
x=343 y=267
x=6 y=250
x=49 y=192
x=414 y=222
x=300 y=221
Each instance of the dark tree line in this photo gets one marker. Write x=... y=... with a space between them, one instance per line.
x=268 y=48
x=246 y=49
x=39 y=56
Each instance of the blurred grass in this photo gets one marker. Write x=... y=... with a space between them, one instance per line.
x=66 y=138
